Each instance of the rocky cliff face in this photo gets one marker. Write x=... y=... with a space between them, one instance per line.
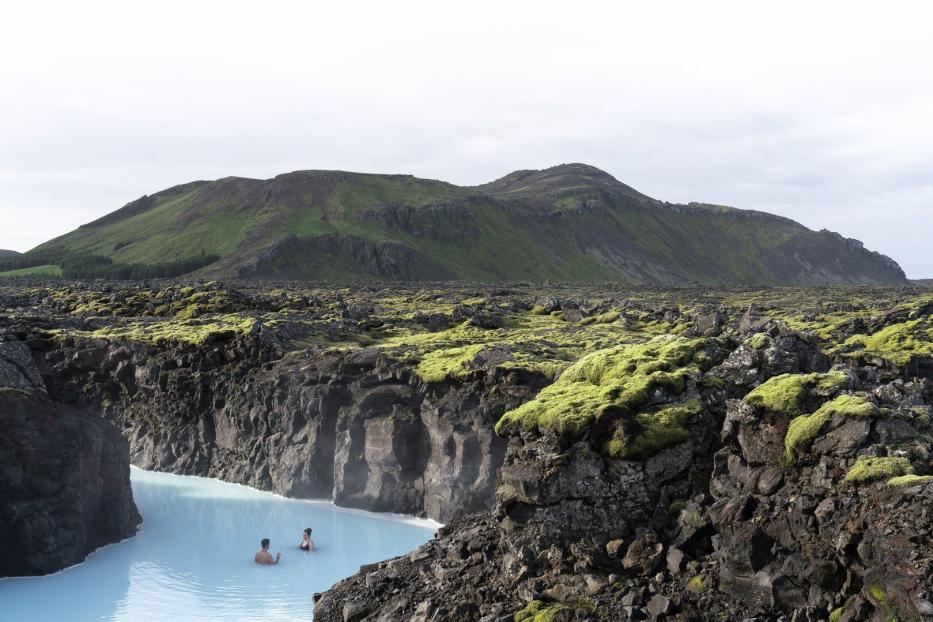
x=295 y=258
x=352 y=426
x=800 y=492
x=665 y=455
x=64 y=477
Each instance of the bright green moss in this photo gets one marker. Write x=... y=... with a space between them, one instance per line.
x=879 y=595
x=905 y=481
x=805 y=428
x=452 y=362
x=785 y=394
x=537 y=611
x=652 y=431
x=603 y=318
x=190 y=312
x=697 y=585
x=709 y=381
x=188 y=331
x=181 y=302
x=897 y=343
x=759 y=341
x=869 y=469
x=452 y=353
x=835 y=614
x=539 y=343
x=622 y=377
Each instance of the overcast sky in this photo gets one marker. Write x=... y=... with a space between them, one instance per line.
x=820 y=111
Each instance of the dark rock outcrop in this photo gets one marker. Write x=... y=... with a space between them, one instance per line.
x=695 y=532
x=64 y=476
x=738 y=467
x=297 y=257
x=352 y=426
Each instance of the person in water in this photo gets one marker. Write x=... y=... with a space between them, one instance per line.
x=306 y=544
x=264 y=556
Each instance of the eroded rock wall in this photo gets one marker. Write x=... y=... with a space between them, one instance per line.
x=760 y=514
x=352 y=426
x=64 y=476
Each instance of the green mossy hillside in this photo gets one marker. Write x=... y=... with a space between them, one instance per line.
x=804 y=429
x=786 y=394
x=618 y=381
x=334 y=225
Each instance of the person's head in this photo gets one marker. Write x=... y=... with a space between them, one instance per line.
x=265 y=543
x=308 y=532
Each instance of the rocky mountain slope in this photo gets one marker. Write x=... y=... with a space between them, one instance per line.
x=7 y=253
x=64 y=476
x=570 y=222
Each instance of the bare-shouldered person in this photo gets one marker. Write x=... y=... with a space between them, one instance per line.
x=264 y=556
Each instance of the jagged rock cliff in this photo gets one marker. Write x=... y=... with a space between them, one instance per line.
x=64 y=477
x=632 y=455
x=815 y=506
x=351 y=426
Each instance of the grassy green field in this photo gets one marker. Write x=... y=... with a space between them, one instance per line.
x=49 y=270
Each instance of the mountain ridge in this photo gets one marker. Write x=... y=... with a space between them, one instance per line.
x=567 y=222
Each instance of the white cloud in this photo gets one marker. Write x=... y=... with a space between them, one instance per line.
x=818 y=111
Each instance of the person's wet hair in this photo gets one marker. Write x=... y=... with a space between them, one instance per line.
x=308 y=531
x=265 y=542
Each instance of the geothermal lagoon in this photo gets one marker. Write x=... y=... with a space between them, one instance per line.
x=193 y=557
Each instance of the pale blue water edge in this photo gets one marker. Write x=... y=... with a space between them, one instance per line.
x=193 y=558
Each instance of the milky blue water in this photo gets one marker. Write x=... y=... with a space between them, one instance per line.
x=193 y=558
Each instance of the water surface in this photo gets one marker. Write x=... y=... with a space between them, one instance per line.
x=193 y=558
